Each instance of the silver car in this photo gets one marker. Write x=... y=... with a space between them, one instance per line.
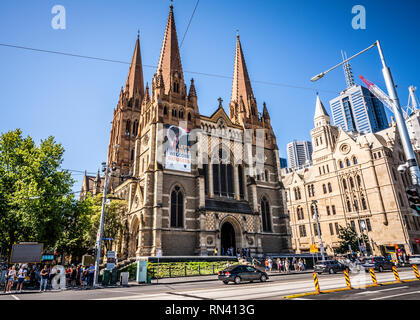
x=414 y=259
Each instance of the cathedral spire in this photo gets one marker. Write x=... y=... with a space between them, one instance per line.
x=321 y=116
x=241 y=85
x=170 y=59
x=135 y=81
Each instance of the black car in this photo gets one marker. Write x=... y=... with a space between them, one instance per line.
x=378 y=263
x=240 y=273
x=330 y=266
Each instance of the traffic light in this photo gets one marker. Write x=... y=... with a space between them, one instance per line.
x=413 y=195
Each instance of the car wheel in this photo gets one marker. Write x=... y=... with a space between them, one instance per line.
x=263 y=278
x=237 y=280
x=381 y=268
x=332 y=271
x=225 y=282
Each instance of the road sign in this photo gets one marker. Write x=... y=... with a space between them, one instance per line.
x=313 y=248
x=417 y=240
x=110 y=255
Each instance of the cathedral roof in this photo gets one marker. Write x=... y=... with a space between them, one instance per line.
x=241 y=85
x=135 y=81
x=170 y=59
x=319 y=108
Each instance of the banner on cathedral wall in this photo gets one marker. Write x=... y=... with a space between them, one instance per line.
x=177 y=149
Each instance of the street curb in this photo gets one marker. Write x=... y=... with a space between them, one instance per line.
x=347 y=289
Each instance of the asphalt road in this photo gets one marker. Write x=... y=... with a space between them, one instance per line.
x=278 y=287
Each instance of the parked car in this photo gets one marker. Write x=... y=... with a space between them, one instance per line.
x=378 y=263
x=414 y=259
x=240 y=273
x=330 y=266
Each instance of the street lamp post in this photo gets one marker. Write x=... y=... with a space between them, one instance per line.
x=101 y=226
x=321 y=246
x=396 y=107
x=360 y=227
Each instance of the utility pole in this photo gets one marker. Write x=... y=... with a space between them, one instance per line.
x=321 y=246
x=105 y=168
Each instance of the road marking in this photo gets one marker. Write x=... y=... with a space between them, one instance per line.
x=379 y=291
x=396 y=295
x=16 y=298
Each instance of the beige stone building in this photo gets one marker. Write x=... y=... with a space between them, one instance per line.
x=353 y=178
x=219 y=190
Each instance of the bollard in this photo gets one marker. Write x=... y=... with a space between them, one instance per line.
x=373 y=276
x=396 y=275
x=347 y=277
x=169 y=271
x=318 y=290
x=185 y=270
x=416 y=271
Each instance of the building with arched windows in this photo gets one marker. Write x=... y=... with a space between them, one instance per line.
x=192 y=182
x=356 y=184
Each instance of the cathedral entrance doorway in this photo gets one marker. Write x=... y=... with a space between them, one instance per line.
x=228 y=242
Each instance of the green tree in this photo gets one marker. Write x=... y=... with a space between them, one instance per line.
x=34 y=191
x=348 y=237
x=114 y=215
x=75 y=238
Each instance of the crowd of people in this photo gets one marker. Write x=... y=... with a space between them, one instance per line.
x=285 y=265
x=40 y=277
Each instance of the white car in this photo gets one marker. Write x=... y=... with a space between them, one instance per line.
x=414 y=259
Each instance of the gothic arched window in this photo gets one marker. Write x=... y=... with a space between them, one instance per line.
x=324 y=188
x=189 y=116
x=165 y=111
x=354 y=160
x=177 y=208
x=347 y=162
x=128 y=128
x=364 y=206
x=329 y=187
x=265 y=215
x=351 y=182
x=222 y=178
x=344 y=184
x=241 y=181
x=135 y=128
x=340 y=164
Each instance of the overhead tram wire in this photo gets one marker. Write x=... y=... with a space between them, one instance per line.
x=154 y=67
x=185 y=33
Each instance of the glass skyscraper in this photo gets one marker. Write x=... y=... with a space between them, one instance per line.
x=357 y=109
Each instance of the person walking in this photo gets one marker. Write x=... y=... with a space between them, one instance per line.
x=300 y=265
x=286 y=265
x=21 y=278
x=294 y=263
x=270 y=264
x=91 y=272
x=278 y=264
x=73 y=276
x=11 y=275
x=215 y=251
x=44 y=278
x=266 y=264
x=83 y=276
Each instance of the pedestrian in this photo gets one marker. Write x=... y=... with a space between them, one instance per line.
x=91 y=272
x=68 y=273
x=215 y=251
x=278 y=264
x=286 y=265
x=51 y=275
x=11 y=275
x=270 y=264
x=83 y=278
x=300 y=265
x=73 y=276
x=21 y=277
x=294 y=263
x=266 y=264
x=44 y=278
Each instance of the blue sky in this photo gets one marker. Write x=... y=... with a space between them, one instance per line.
x=285 y=42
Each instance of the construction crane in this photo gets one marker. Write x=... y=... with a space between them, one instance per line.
x=378 y=93
x=413 y=102
x=412 y=105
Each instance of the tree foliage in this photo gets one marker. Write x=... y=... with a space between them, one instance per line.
x=347 y=237
x=34 y=191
